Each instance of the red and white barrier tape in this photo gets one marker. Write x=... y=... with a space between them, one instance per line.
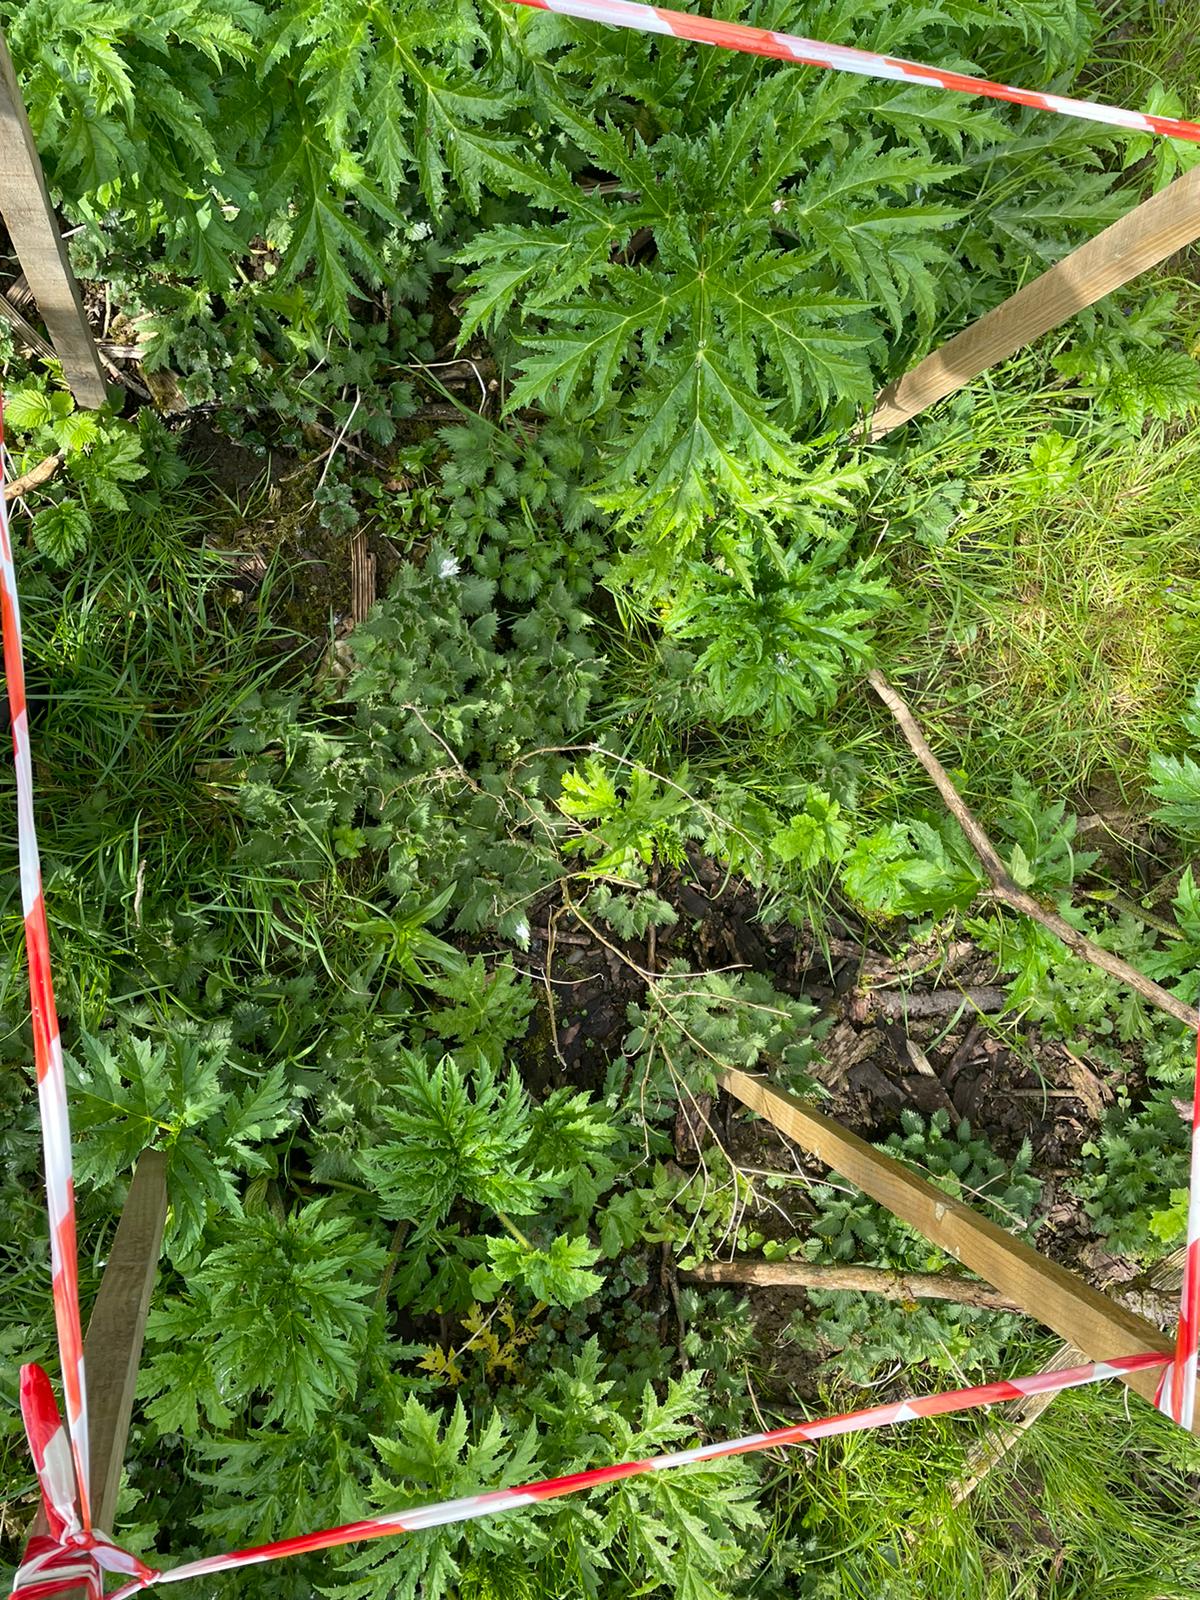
x=67 y=1556
x=73 y=1553
x=1177 y=1391
x=494 y=1501
x=70 y=1556
x=47 y=1047
x=844 y=58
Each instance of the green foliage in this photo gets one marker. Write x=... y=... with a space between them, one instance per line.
x=268 y=1483
x=1041 y=856
x=689 y=266
x=102 y=457
x=98 y=86
x=1048 y=1520
x=1174 y=781
x=487 y=1011
x=558 y=1275
x=182 y=1096
x=1136 y=1166
x=458 y=1140
x=866 y=1334
x=777 y=635
x=139 y=664
x=713 y=308
x=693 y=1026
x=473 y=1138
x=444 y=766
x=179 y=124
x=1177 y=961
x=579 y=1133
x=509 y=508
x=430 y=660
x=754 y=240
x=699 y=1214
x=619 y=640
x=276 y=1313
x=911 y=868
x=1047 y=562
x=431 y=1462
x=400 y=941
x=814 y=834
x=1125 y=361
x=633 y=820
x=678 y=1532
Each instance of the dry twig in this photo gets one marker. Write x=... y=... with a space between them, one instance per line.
x=362 y=579
x=34 y=478
x=1003 y=887
x=26 y=331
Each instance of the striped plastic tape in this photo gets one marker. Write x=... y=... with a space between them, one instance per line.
x=47 y=1047
x=1177 y=1391
x=495 y=1501
x=843 y=58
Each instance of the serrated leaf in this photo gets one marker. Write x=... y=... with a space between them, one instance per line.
x=62 y=531
x=27 y=407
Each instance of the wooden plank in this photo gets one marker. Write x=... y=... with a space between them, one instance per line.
x=1148 y=234
x=33 y=228
x=1055 y=1297
x=113 y=1347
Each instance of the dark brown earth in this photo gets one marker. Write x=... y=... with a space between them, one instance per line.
x=919 y=1031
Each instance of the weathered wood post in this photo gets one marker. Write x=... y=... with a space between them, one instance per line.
x=32 y=226
x=113 y=1347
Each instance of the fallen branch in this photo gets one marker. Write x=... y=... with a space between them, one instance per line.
x=864 y=1280
x=900 y=1004
x=1003 y=886
x=34 y=478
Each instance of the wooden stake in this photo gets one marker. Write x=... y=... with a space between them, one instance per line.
x=33 y=228
x=1148 y=234
x=1003 y=887
x=1046 y=1291
x=113 y=1347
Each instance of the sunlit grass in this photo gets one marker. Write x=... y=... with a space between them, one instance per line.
x=1056 y=629
x=1148 y=43
x=140 y=663
x=1095 y=1501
